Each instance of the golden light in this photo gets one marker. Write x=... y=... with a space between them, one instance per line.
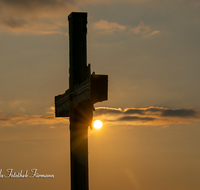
x=97 y=124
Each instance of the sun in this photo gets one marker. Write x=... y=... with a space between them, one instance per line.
x=97 y=124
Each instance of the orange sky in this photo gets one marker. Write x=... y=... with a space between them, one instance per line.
x=151 y=122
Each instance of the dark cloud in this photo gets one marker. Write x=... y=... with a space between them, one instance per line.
x=155 y=115
x=14 y=23
x=4 y=119
x=101 y=111
x=33 y=4
x=35 y=16
x=151 y=111
x=134 y=111
x=179 y=113
x=154 y=109
x=135 y=118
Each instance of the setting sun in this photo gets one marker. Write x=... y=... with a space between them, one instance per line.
x=97 y=124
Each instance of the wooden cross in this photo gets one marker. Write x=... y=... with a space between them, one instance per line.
x=85 y=89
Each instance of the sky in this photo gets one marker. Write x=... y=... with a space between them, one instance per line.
x=151 y=121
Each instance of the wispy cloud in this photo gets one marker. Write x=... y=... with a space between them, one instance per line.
x=38 y=16
x=50 y=110
x=50 y=16
x=105 y=27
x=143 y=29
x=18 y=119
x=140 y=28
x=113 y=1
x=108 y=27
x=155 y=32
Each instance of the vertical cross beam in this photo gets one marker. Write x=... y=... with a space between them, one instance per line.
x=78 y=115
x=77 y=102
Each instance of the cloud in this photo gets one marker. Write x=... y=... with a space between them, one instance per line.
x=143 y=29
x=50 y=16
x=23 y=110
x=50 y=110
x=107 y=110
x=38 y=16
x=128 y=116
x=163 y=112
x=134 y=111
x=155 y=32
x=18 y=119
x=112 y=1
x=105 y=27
x=17 y=103
x=179 y=113
x=150 y=115
x=135 y=118
x=14 y=23
x=36 y=8
x=140 y=28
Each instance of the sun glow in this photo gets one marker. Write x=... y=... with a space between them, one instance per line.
x=97 y=124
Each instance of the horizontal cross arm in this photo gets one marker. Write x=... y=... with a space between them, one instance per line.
x=62 y=104
x=95 y=89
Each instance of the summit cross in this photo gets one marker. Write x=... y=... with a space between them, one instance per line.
x=77 y=102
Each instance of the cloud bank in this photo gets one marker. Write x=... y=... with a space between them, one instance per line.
x=150 y=115
x=130 y=116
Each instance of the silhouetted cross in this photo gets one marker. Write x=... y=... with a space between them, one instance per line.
x=77 y=102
